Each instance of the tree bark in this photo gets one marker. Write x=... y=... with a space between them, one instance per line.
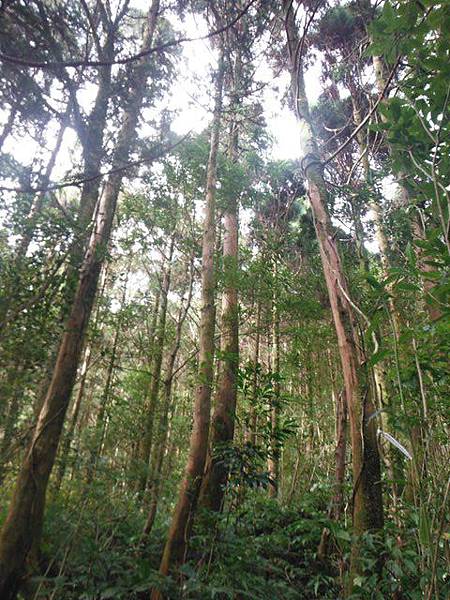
x=67 y=442
x=380 y=368
x=101 y=423
x=273 y=462
x=180 y=528
x=36 y=205
x=251 y=432
x=158 y=350
x=367 y=497
x=337 y=500
x=161 y=446
x=223 y=420
x=23 y=524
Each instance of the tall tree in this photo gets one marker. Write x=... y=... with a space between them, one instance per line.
x=223 y=419
x=367 y=497
x=23 y=524
x=175 y=547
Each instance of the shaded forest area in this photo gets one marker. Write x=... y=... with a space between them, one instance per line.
x=224 y=375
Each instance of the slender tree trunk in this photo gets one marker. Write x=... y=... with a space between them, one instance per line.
x=23 y=524
x=273 y=462
x=179 y=532
x=337 y=500
x=29 y=230
x=36 y=205
x=13 y=390
x=67 y=442
x=91 y=137
x=223 y=420
x=253 y=420
x=380 y=368
x=367 y=497
x=416 y=227
x=140 y=450
x=158 y=351
x=100 y=424
x=161 y=446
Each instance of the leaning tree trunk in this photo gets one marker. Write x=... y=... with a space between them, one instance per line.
x=29 y=227
x=223 y=420
x=367 y=496
x=37 y=202
x=67 y=441
x=23 y=524
x=180 y=528
x=91 y=136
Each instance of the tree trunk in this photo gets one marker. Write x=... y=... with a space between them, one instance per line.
x=179 y=532
x=36 y=205
x=67 y=442
x=158 y=350
x=367 y=497
x=13 y=391
x=161 y=446
x=29 y=228
x=253 y=417
x=23 y=524
x=337 y=500
x=381 y=367
x=100 y=424
x=273 y=462
x=223 y=420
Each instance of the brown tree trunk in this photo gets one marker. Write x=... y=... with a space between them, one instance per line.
x=273 y=462
x=23 y=524
x=29 y=230
x=223 y=420
x=367 y=497
x=161 y=445
x=381 y=367
x=251 y=433
x=100 y=424
x=67 y=442
x=13 y=392
x=416 y=227
x=179 y=532
x=337 y=500
x=158 y=350
x=36 y=205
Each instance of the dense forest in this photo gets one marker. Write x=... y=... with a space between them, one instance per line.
x=224 y=299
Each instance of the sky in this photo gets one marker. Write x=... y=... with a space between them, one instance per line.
x=192 y=100
x=194 y=103
x=281 y=122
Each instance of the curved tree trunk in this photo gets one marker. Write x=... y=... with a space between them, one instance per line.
x=367 y=497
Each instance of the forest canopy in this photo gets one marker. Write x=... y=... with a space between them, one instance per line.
x=224 y=299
